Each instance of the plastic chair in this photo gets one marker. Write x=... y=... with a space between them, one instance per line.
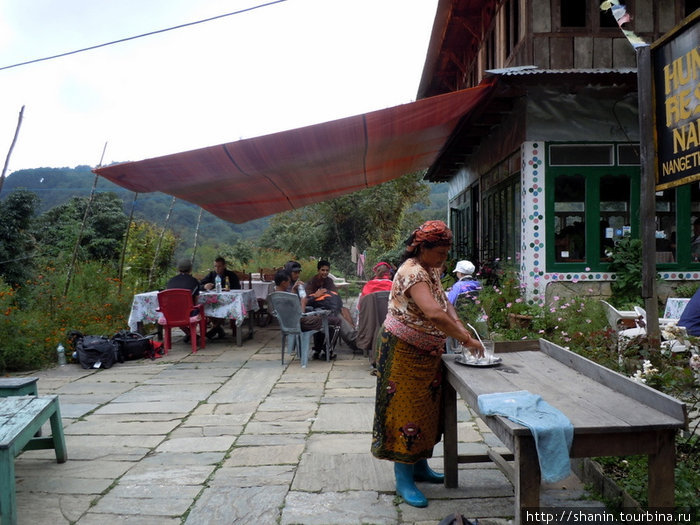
x=176 y=306
x=615 y=316
x=287 y=309
x=373 y=311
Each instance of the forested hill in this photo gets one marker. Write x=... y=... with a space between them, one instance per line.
x=55 y=186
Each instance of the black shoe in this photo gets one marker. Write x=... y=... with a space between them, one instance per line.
x=186 y=339
x=316 y=355
x=322 y=356
x=212 y=334
x=221 y=332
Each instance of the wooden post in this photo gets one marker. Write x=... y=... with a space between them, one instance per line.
x=12 y=146
x=647 y=205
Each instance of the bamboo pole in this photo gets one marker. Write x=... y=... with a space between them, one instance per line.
x=12 y=146
x=126 y=240
x=160 y=242
x=71 y=266
x=196 y=234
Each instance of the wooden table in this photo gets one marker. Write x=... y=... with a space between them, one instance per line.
x=611 y=414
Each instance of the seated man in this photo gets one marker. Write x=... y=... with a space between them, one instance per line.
x=321 y=292
x=185 y=280
x=293 y=268
x=307 y=322
x=283 y=283
x=466 y=284
x=229 y=281
x=690 y=318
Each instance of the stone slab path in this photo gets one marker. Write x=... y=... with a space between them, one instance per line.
x=228 y=435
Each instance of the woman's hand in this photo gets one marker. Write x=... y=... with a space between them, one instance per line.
x=475 y=347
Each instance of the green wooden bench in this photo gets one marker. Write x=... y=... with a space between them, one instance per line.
x=20 y=419
x=18 y=386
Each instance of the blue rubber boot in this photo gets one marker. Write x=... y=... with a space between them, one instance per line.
x=406 y=487
x=423 y=472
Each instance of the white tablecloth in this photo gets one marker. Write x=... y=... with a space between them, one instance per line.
x=261 y=288
x=226 y=305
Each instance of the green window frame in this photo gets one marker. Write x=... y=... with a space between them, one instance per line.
x=592 y=176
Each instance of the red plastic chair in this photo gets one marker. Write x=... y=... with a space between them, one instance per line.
x=177 y=307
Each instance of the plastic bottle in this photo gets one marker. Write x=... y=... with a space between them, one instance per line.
x=61 y=354
x=302 y=290
x=217 y=284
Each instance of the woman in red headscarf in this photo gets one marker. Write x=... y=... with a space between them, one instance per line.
x=380 y=282
x=409 y=367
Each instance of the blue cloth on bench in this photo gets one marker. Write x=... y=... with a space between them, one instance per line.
x=552 y=430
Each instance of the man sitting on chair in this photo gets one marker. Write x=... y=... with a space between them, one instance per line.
x=229 y=281
x=185 y=280
x=307 y=322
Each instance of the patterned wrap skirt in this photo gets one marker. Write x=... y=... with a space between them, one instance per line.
x=407 y=413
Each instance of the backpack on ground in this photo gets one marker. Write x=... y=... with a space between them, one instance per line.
x=94 y=351
x=132 y=345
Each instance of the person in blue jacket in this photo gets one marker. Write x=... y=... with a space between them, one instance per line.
x=466 y=282
x=690 y=318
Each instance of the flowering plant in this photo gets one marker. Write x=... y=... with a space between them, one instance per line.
x=647 y=371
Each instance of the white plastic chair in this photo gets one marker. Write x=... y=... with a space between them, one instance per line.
x=614 y=315
x=287 y=309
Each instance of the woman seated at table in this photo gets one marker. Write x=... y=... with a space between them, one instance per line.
x=229 y=281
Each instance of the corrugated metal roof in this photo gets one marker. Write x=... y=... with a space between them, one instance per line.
x=534 y=70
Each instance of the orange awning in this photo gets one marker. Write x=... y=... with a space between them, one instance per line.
x=252 y=178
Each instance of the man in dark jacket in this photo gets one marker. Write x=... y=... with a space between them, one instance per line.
x=229 y=281
x=185 y=281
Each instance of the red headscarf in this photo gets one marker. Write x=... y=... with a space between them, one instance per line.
x=435 y=232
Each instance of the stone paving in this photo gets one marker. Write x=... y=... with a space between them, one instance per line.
x=228 y=435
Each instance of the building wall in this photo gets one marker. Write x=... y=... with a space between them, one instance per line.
x=541 y=284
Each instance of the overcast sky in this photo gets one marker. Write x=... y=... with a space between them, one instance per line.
x=278 y=67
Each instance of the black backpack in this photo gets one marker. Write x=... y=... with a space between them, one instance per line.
x=95 y=351
x=132 y=345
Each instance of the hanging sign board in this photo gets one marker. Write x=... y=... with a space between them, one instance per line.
x=675 y=60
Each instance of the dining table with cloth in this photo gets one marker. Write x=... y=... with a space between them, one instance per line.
x=236 y=305
x=261 y=288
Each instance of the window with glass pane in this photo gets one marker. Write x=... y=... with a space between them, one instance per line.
x=666 y=226
x=570 y=218
x=614 y=212
x=695 y=222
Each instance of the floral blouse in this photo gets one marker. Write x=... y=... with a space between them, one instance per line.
x=403 y=308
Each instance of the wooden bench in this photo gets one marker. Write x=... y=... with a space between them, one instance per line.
x=20 y=419
x=611 y=415
x=18 y=386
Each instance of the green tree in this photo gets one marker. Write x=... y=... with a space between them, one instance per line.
x=57 y=229
x=17 y=245
x=140 y=252
x=372 y=219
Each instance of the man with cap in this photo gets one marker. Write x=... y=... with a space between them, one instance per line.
x=466 y=282
x=184 y=279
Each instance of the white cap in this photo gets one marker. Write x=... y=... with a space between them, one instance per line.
x=465 y=267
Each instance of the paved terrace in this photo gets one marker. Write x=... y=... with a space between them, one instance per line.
x=228 y=435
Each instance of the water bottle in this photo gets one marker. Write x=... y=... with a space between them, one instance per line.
x=217 y=284
x=302 y=290
x=61 y=354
